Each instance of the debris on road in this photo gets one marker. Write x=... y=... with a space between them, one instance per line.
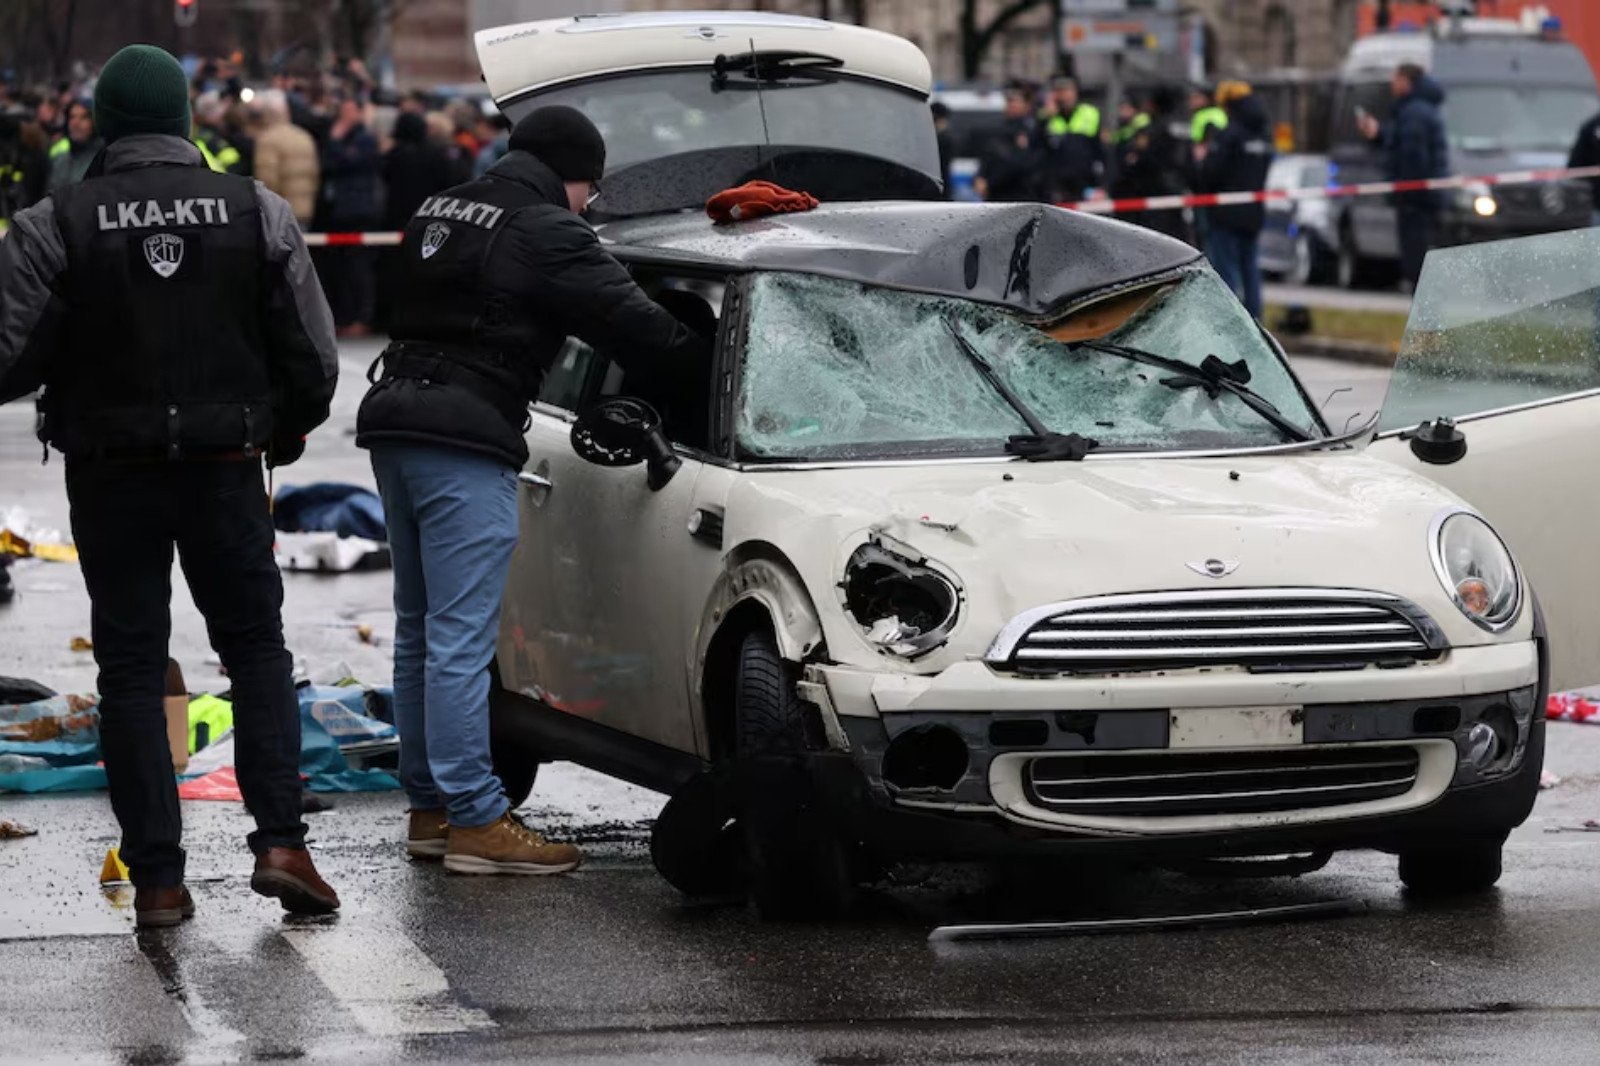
x=1573 y=707
x=20 y=538
x=50 y=745
x=1548 y=779
x=330 y=507
x=113 y=871
x=329 y=553
x=1592 y=825
x=1020 y=930
x=82 y=644
x=10 y=830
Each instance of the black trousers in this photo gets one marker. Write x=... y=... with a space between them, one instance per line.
x=127 y=518
x=1417 y=228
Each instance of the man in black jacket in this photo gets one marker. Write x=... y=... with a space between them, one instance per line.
x=1011 y=166
x=1415 y=148
x=1237 y=160
x=495 y=275
x=174 y=320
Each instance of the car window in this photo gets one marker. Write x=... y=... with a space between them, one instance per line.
x=1498 y=325
x=1497 y=118
x=566 y=380
x=836 y=369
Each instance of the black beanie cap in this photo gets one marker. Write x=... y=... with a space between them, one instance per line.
x=563 y=139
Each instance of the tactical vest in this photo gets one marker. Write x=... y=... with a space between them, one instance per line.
x=445 y=305
x=163 y=351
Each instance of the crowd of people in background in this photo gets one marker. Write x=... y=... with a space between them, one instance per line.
x=320 y=140
x=1054 y=147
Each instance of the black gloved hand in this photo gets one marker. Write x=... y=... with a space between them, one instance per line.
x=285 y=450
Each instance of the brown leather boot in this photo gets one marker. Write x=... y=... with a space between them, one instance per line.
x=289 y=875
x=156 y=908
x=428 y=834
x=507 y=847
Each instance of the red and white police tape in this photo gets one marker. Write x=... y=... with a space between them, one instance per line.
x=1167 y=203
x=1327 y=192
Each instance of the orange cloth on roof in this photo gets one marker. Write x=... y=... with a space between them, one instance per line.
x=756 y=199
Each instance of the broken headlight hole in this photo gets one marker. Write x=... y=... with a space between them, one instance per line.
x=903 y=605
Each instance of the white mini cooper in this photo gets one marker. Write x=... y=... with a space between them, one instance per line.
x=1003 y=531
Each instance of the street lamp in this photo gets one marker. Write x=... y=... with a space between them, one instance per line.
x=185 y=12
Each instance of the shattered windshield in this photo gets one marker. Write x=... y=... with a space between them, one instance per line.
x=1497 y=325
x=836 y=369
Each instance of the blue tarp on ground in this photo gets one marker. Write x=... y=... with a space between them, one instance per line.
x=50 y=745
x=330 y=507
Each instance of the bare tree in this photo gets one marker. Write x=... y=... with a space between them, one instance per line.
x=976 y=38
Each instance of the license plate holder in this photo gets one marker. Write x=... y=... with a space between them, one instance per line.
x=1195 y=728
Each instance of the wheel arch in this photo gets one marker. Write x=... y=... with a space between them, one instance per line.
x=758 y=589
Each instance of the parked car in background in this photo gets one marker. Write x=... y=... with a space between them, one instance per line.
x=1514 y=101
x=1300 y=241
x=977 y=115
x=1002 y=531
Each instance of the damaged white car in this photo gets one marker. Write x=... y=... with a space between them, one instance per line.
x=1003 y=531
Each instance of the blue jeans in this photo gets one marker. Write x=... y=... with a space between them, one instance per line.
x=452 y=518
x=1236 y=257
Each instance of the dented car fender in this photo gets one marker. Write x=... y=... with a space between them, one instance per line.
x=760 y=575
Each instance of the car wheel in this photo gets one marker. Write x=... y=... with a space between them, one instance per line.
x=514 y=763
x=799 y=866
x=1452 y=868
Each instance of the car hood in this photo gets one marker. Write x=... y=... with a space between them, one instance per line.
x=1018 y=536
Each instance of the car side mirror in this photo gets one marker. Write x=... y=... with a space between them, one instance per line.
x=1438 y=443
x=624 y=431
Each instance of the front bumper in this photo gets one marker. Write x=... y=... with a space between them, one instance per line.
x=992 y=812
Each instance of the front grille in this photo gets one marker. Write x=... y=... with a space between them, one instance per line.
x=1214 y=783
x=1263 y=630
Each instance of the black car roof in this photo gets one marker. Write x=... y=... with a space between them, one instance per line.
x=1032 y=258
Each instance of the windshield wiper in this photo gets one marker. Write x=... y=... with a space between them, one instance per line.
x=1212 y=375
x=1039 y=444
x=774 y=66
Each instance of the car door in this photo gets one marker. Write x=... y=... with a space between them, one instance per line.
x=1505 y=339
x=593 y=622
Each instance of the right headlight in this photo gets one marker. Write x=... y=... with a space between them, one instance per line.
x=1477 y=570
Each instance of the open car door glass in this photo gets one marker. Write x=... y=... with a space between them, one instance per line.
x=1504 y=338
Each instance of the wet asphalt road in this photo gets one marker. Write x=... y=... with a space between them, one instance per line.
x=609 y=965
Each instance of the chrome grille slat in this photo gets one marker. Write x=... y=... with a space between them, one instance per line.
x=1256 y=629
x=1376 y=629
x=1164 y=784
x=1224 y=652
x=1262 y=793
x=1224 y=614
x=1392 y=764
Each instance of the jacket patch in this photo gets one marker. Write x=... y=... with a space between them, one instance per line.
x=485 y=216
x=164 y=253
x=148 y=214
x=433 y=238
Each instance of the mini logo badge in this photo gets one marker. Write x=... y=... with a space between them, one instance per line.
x=164 y=253
x=433 y=238
x=1217 y=568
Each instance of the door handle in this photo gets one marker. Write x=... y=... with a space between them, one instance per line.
x=536 y=481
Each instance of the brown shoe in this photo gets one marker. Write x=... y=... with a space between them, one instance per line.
x=428 y=835
x=156 y=908
x=507 y=847
x=289 y=875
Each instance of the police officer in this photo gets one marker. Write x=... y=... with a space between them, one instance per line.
x=175 y=322
x=1075 y=157
x=494 y=276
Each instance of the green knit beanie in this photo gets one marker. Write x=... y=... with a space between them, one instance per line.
x=142 y=89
